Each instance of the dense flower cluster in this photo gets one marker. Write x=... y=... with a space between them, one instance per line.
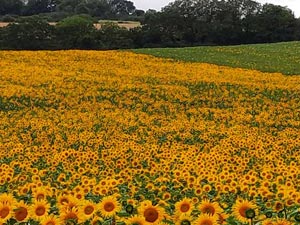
x=119 y=138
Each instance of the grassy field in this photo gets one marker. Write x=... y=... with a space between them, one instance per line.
x=278 y=57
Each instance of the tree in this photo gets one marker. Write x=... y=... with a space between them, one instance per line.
x=34 y=7
x=121 y=8
x=31 y=33
x=76 y=32
x=11 y=7
x=2 y=44
x=99 y=8
x=139 y=13
x=111 y=36
x=68 y=5
x=249 y=21
x=297 y=33
x=226 y=25
x=193 y=22
x=275 y=23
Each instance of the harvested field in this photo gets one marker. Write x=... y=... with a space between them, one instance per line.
x=126 y=24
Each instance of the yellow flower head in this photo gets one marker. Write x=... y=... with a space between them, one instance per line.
x=109 y=206
x=51 y=220
x=7 y=198
x=240 y=209
x=39 y=209
x=5 y=211
x=205 y=219
x=152 y=214
x=87 y=210
x=184 y=219
x=136 y=220
x=185 y=206
x=208 y=207
x=21 y=212
x=70 y=214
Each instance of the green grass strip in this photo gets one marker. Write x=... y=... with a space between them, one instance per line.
x=278 y=57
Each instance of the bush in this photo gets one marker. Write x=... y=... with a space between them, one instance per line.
x=9 y=18
x=111 y=36
x=56 y=16
x=30 y=33
x=2 y=38
x=76 y=32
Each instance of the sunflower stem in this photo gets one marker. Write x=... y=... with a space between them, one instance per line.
x=284 y=210
x=113 y=221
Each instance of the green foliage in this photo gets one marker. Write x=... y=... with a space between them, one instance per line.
x=11 y=7
x=121 y=8
x=8 y=18
x=112 y=36
x=276 y=23
x=279 y=57
x=104 y=9
x=2 y=44
x=202 y=22
x=34 y=7
x=76 y=32
x=30 y=33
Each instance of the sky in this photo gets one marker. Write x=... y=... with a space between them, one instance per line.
x=294 y=5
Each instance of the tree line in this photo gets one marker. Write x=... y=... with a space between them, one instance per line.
x=55 y=10
x=180 y=23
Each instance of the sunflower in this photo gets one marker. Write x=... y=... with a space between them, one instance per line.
x=208 y=207
x=240 y=208
x=185 y=206
x=39 y=209
x=145 y=203
x=278 y=206
x=152 y=214
x=163 y=223
x=51 y=220
x=70 y=214
x=21 y=211
x=63 y=200
x=5 y=211
x=7 y=198
x=79 y=195
x=2 y=222
x=24 y=190
x=267 y=222
x=97 y=220
x=206 y=188
x=67 y=202
x=132 y=202
x=166 y=196
x=184 y=219
x=136 y=220
x=40 y=193
x=222 y=218
x=206 y=219
x=87 y=210
x=282 y=222
x=109 y=206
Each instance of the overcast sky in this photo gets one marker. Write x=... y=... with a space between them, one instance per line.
x=294 y=5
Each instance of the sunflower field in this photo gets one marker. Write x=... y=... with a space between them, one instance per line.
x=118 y=138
